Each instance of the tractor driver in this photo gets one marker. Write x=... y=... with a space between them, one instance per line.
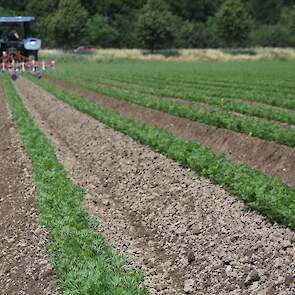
x=13 y=34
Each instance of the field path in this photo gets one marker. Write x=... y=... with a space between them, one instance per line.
x=187 y=235
x=272 y=159
x=24 y=268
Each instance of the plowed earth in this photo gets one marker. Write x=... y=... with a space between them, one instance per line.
x=24 y=268
x=187 y=235
x=272 y=159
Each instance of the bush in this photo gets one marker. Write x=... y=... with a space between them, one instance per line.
x=192 y=35
x=233 y=23
x=67 y=25
x=99 y=32
x=292 y=21
x=7 y=12
x=271 y=36
x=156 y=26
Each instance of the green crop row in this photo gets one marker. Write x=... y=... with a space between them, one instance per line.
x=209 y=92
x=208 y=86
x=264 y=112
x=258 y=128
x=262 y=76
x=83 y=260
x=267 y=195
x=262 y=82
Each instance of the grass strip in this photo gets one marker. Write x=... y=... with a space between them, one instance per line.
x=265 y=194
x=83 y=260
x=257 y=128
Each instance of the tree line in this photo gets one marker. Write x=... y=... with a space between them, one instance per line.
x=159 y=24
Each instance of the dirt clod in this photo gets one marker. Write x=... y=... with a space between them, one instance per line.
x=252 y=277
x=189 y=286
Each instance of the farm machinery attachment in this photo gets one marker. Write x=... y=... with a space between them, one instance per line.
x=18 y=50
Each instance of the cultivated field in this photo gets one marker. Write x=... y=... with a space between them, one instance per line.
x=157 y=177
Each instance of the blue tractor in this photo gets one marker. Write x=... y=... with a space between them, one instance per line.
x=18 y=49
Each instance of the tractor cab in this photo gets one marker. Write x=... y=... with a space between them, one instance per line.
x=16 y=37
x=18 y=49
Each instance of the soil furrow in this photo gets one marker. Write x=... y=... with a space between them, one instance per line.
x=272 y=159
x=24 y=267
x=186 y=234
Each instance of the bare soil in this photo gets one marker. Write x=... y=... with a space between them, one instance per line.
x=187 y=235
x=24 y=267
x=272 y=159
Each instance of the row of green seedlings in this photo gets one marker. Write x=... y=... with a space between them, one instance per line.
x=208 y=92
x=258 y=128
x=277 y=98
x=265 y=194
x=236 y=84
x=83 y=260
x=206 y=88
x=200 y=74
x=209 y=85
x=264 y=112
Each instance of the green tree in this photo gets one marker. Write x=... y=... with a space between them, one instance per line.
x=40 y=8
x=233 y=23
x=112 y=8
x=289 y=2
x=271 y=35
x=7 y=12
x=66 y=27
x=192 y=35
x=100 y=32
x=91 y=6
x=16 y=5
x=124 y=25
x=266 y=11
x=156 y=26
x=292 y=21
x=197 y=10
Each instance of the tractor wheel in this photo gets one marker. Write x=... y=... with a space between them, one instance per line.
x=14 y=76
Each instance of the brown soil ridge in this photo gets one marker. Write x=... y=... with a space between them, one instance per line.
x=24 y=267
x=272 y=159
x=187 y=235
